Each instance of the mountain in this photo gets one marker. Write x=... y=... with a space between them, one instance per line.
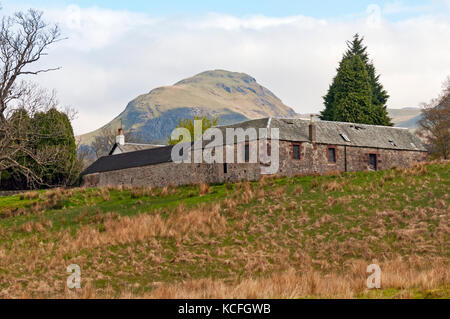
x=233 y=97
x=406 y=117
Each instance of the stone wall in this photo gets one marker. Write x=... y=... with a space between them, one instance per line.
x=358 y=158
x=171 y=174
x=313 y=159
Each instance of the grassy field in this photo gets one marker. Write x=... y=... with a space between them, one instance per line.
x=302 y=237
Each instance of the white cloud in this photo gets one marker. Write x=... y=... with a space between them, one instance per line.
x=113 y=56
x=96 y=28
x=257 y=22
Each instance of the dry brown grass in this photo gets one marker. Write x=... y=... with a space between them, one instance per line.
x=36 y=226
x=30 y=195
x=416 y=170
x=139 y=192
x=298 y=190
x=314 y=183
x=257 y=242
x=122 y=230
x=404 y=275
x=331 y=186
x=204 y=189
x=164 y=192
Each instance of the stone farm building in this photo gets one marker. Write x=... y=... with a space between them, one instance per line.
x=305 y=147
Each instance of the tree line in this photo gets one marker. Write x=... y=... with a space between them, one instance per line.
x=37 y=144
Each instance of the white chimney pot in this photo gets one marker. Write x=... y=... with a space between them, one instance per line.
x=120 y=139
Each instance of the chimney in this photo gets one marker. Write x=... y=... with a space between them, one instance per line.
x=120 y=139
x=312 y=130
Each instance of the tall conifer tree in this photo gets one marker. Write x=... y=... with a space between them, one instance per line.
x=376 y=109
x=353 y=95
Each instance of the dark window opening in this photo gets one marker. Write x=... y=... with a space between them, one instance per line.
x=225 y=168
x=296 y=151
x=373 y=162
x=332 y=155
x=247 y=153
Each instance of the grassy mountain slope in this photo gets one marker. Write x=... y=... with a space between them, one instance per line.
x=231 y=96
x=406 y=117
x=297 y=237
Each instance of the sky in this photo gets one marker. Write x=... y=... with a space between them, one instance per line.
x=117 y=50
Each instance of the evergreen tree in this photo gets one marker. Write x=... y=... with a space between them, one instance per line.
x=58 y=132
x=379 y=96
x=53 y=134
x=353 y=93
x=13 y=178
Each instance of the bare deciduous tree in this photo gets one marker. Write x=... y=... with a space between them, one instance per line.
x=24 y=38
x=435 y=123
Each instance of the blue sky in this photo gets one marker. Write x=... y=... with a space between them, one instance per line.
x=278 y=8
x=118 y=50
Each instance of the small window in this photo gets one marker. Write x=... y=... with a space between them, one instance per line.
x=345 y=137
x=225 y=168
x=373 y=162
x=332 y=155
x=247 y=153
x=296 y=151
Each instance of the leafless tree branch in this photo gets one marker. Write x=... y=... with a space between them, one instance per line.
x=435 y=123
x=24 y=39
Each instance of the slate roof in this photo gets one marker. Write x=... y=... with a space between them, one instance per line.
x=132 y=159
x=132 y=147
x=361 y=135
x=331 y=133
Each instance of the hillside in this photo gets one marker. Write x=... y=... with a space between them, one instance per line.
x=297 y=237
x=233 y=97
x=406 y=117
